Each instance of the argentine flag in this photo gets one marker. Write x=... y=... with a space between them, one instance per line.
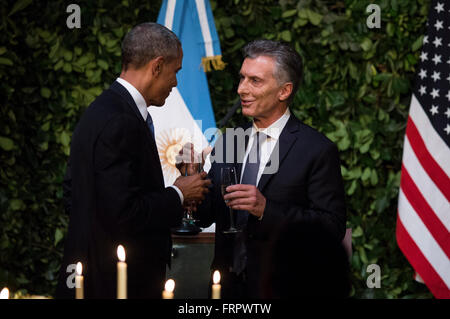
x=187 y=115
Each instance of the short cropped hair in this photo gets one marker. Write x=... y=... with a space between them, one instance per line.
x=147 y=41
x=288 y=63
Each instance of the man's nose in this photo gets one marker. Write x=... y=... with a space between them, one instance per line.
x=242 y=87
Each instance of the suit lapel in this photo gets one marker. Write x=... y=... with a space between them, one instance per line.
x=118 y=88
x=286 y=140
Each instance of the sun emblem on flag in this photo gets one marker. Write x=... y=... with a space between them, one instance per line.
x=169 y=143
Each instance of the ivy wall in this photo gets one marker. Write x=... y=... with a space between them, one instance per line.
x=356 y=89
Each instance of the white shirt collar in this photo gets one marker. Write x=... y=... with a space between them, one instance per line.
x=137 y=97
x=274 y=130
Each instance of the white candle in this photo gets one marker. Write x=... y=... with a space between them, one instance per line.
x=79 y=282
x=121 y=274
x=4 y=294
x=216 y=286
x=168 y=289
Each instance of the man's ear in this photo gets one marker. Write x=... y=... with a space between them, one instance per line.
x=157 y=65
x=285 y=91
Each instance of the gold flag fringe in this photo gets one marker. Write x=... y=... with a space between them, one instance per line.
x=215 y=61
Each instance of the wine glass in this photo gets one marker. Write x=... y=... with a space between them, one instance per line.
x=228 y=177
x=188 y=213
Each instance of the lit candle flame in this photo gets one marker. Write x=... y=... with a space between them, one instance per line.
x=121 y=253
x=79 y=269
x=4 y=294
x=170 y=285
x=216 y=277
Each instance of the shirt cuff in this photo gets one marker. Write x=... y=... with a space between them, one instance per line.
x=179 y=193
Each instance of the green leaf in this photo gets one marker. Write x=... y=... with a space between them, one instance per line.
x=78 y=51
x=16 y=204
x=19 y=5
x=366 y=174
x=374 y=177
x=58 y=65
x=352 y=188
x=286 y=35
x=418 y=43
x=366 y=45
x=68 y=55
x=357 y=232
x=102 y=64
x=65 y=138
x=6 y=61
x=344 y=143
x=67 y=68
x=12 y=116
x=390 y=29
x=6 y=143
x=289 y=13
x=303 y=13
x=45 y=92
x=354 y=173
x=381 y=204
x=43 y=146
x=45 y=127
x=314 y=17
x=374 y=153
x=84 y=59
x=365 y=147
x=353 y=71
x=229 y=33
x=300 y=22
x=58 y=236
x=362 y=255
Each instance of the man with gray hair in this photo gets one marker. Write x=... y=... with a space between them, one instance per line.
x=306 y=184
x=114 y=188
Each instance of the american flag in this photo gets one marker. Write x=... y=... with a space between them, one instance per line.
x=423 y=221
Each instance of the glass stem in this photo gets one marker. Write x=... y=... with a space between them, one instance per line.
x=231 y=219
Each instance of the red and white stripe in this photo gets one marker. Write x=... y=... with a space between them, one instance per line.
x=423 y=223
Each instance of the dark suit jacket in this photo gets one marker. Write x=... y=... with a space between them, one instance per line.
x=307 y=185
x=115 y=194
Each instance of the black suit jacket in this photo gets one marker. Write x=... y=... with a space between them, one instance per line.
x=115 y=194
x=307 y=185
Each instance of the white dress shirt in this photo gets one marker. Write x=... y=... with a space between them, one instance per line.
x=273 y=133
x=142 y=107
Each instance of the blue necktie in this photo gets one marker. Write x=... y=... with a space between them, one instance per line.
x=149 y=122
x=249 y=177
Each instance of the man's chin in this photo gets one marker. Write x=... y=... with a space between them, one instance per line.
x=247 y=112
x=158 y=104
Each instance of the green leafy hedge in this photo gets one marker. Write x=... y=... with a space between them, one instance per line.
x=356 y=89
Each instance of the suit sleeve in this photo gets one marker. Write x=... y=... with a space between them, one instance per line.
x=123 y=205
x=326 y=196
x=206 y=211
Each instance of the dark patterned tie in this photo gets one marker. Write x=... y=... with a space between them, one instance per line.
x=249 y=177
x=149 y=122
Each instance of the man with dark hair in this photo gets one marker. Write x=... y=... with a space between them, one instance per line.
x=285 y=170
x=114 y=187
